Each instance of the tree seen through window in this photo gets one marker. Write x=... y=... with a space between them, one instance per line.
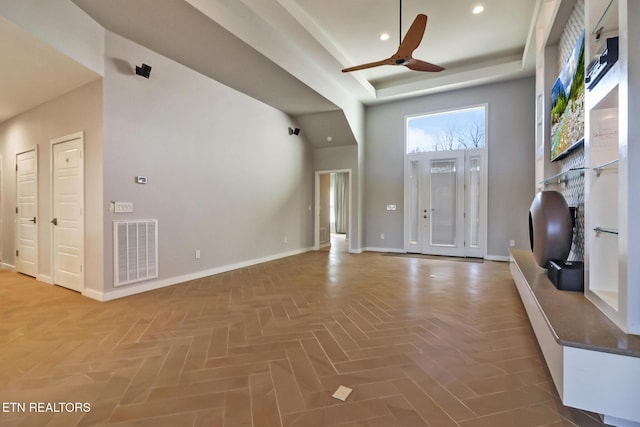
x=451 y=130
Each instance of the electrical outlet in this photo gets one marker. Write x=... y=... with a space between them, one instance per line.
x=285 y=239
x=381 y=236
x=197 y=253
x=512 y=243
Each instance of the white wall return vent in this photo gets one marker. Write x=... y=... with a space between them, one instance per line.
x=135 y=251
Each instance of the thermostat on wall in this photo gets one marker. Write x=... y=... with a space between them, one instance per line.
x=141 y=179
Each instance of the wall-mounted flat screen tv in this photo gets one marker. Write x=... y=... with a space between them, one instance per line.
x=567 y=105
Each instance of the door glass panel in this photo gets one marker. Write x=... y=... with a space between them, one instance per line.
x=414 y=200
x=474 y=202
x=443 y=202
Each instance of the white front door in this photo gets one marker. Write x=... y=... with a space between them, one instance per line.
x=68 y=212
x=27 y=213
x=443 y=204
x=444 y=212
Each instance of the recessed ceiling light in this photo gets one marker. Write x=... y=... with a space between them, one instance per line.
x=478 y=9
x=384 y=36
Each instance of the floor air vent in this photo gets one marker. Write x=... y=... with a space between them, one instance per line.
x=135 y=249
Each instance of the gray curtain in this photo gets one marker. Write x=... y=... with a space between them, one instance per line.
x=339 y=181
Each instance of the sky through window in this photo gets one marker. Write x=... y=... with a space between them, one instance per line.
x=451 y=130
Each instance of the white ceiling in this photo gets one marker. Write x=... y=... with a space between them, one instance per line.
x=455 y=38
x=289 y=53
x=32 y=72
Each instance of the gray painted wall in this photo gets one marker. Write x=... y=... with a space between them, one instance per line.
x=225 y=177
x=510 y=163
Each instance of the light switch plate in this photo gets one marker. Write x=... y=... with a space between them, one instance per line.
x=342 y=393
x=391 y=207
x=122 y=207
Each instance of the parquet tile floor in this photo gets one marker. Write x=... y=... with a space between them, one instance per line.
x=421 y=342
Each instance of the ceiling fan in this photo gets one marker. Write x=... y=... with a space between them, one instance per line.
x=403 y=55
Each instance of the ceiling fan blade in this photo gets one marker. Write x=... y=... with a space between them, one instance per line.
x=418 y=65
x=369 y=65
x=413 y=37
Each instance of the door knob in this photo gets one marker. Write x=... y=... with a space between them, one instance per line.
x=33 y=220
x=54 y=221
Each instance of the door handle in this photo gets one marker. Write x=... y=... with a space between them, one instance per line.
x=33 y=220
x=54 y=221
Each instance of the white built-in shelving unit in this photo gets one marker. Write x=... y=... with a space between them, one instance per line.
x=612 y=281
x=612 y=128
x=604 y=377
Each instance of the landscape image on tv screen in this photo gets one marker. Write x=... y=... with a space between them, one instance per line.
x=567 y=104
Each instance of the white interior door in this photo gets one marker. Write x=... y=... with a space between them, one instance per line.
x=27 y=212
x=445 y=208
x=68 y=212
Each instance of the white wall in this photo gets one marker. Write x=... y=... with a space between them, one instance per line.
x=61 y=24
x=79 y=110
x=510 y=165
x=225 y=177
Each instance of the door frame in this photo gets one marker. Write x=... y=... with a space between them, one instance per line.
x=483 y=209
x=2 y=263
x=53 y=142
x=37 y=200
x=316 y=217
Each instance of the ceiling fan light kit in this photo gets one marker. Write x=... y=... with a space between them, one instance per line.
x=404 y=54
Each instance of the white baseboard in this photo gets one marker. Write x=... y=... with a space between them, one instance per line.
x=6 y=266
x=45 y=278
x=162 y=283
x=93 y=294
x=500 y=258
x=391 y=250
x=325 y=245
